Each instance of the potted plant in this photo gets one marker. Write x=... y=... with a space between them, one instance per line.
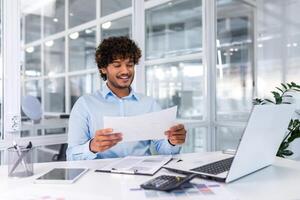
x=282 y=95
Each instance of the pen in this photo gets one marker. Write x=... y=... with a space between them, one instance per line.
x=229 y=151
x=124 y=171
x=19 y=152
x=16 y=164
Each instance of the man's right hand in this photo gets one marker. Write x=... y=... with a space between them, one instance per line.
x=104 y=139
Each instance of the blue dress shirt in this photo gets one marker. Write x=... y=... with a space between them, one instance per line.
x=87 y=117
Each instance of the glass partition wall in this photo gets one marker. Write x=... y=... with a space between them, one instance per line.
x=234 y=70
x=174 y=69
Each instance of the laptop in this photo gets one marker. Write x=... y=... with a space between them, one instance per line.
x=266 y=128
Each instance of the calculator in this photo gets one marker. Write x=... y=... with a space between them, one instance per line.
x=167 y=183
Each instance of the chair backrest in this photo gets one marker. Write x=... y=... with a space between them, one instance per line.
x=31 y=107
x=61 y=156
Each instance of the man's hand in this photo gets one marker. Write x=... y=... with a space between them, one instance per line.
x=104 y=139
x=176 y=134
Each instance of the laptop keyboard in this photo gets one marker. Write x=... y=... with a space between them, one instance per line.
x=215 y=167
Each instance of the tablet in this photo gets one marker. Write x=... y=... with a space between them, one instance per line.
x=61 y=175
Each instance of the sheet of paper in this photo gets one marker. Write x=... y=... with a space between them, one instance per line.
x=138 y=164
x=148 y=126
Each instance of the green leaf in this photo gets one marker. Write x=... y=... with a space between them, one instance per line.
x=279 y=89
x=257 y=101
x=280 y=153
x=295 y=85
x=289 y=85
x=283 y=85
x=270 y=101
x=294 y=135
x=276 y=94
x=295 y=123
x=284 y=145
x=278 y=98
x=287 y=152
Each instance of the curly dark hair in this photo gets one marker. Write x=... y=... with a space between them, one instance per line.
x=114 y=48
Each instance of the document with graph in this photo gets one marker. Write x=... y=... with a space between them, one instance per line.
x=143 y=165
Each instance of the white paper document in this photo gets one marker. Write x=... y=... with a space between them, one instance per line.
x=149 y=126
x=144 y=165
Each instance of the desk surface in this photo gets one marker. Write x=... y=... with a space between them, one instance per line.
x=279 y=181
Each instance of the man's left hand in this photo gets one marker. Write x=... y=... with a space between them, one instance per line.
x=176 y=134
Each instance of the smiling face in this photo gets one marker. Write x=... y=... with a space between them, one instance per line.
x=120 y=74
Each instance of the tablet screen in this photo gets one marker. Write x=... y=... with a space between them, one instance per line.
x=62 y=174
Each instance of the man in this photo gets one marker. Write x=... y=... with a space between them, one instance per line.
x=88 y=139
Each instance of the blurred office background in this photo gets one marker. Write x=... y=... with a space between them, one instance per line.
x=257 y=47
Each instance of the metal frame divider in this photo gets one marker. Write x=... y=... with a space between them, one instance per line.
x=138 y=34
x=67 y=86
x=11 y=79
x=209 y=62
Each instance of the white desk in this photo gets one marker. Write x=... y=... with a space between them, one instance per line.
x=280 y=181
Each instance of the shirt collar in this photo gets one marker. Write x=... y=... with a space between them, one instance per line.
x=106 y=93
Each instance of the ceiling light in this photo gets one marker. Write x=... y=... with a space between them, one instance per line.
x=260 y=45
x=88 y=31
x=29 y=49
x=49 y=43
x=106 y=25
x=295 y=44
x=55 y=19
x=74 y=35
x=218 y=43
